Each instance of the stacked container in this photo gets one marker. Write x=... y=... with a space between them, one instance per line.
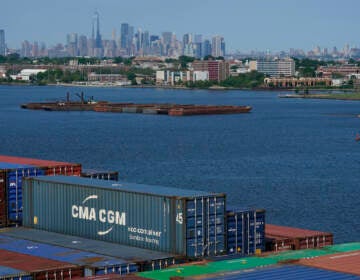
x=101 y=175
x=178 y=221
x=31 y=267
x=94 y=264
x=280 y=238
x=245 y=231
x=12 y=171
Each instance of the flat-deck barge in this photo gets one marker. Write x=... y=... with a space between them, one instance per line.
x=163 y=109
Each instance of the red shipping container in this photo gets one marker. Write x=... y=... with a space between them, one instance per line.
x=40 y=268
x=52 y=167
x=344 y=262
x=295 y=238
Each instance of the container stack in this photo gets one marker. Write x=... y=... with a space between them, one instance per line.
x=100 y=174
x=245 y=231
x=280 y=238
x=178 y=221
x=30 y=267
x=12 y=172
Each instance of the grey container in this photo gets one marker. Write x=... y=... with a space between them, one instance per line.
x=151 y=217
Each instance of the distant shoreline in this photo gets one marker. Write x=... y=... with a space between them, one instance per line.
x=214 y=88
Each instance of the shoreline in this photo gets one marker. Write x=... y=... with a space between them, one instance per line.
x=214 y=88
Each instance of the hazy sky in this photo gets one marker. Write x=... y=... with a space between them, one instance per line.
x=245 y=24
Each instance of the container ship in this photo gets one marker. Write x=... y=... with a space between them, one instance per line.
x=60 y=221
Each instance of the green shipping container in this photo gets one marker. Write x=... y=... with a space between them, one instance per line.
x=151 y=217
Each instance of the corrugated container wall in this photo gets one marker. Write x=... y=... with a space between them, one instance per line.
x=3 y=200
x=178 y=221
x=245 y=231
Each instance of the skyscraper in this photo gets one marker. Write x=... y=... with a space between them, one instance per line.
x=218 y=46
x=206 y=49
x=2 y=42
x=96 y=37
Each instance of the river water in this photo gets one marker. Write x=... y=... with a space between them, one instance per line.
x=296 y=158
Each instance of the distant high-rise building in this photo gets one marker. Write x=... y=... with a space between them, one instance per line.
x=2 y=42
x=25 y=49
x=35 y=50
x=218 y=46
x=82 y=45
x=97 y=46
x=72 y=44
x=206 y=49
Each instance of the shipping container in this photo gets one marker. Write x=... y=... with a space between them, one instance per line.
x=3 y=200
x=348 y=262
x=40 y=268
x=145 y=259
x=245 y=231
x=51 y=167
x=11 y=189
x=8 y=273
x=177 y=221
x=12 y=170
x=278 y=244
x=101 y=175
x=283 y=237
x=94 y=264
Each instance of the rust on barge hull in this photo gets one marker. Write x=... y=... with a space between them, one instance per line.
x=163 y=109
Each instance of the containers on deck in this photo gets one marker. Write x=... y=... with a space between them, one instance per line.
x=99 y=174
x=8 y=273
x=94 y=264
x=279 y=238
x=185 y=222
x=12 y=171
x=245 y=231
x=39 y=268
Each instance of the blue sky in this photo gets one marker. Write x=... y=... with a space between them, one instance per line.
x=245 y=24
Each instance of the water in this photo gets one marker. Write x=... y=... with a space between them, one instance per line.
x=296 y=158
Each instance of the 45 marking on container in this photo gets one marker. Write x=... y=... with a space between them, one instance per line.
x=179 y=218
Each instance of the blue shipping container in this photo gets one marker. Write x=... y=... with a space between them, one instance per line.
x=8 y=273
x=178 y=221
x=94 y=264
x=13 y=185
x=245 y=231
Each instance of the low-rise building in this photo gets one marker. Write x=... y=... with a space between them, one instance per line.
x=296 y=82
x=25 y=74
x=274 y=67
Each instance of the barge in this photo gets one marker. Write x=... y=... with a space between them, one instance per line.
x=156 y=108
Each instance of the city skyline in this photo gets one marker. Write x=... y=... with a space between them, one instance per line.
x=263 y=25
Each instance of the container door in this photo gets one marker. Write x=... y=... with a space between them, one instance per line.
x=215 y=226
x=195 y=227
x=14 y=191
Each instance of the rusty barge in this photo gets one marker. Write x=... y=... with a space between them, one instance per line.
x=160 y=108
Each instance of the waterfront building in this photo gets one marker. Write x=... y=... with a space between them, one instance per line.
x=2 y=42
x=297 y=82
x=274 y=67
x=218 y=70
